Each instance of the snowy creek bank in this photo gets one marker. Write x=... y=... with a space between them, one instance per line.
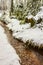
x=27 y=34
x=24 y=32
x=8 y=55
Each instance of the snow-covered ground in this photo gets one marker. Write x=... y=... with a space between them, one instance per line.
x=39 y=14
x=8 y=55
x=15 y=25
x=34 y=35
x=4 y=16
x=24 y=32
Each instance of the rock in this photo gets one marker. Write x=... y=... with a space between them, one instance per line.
x=30 y=20
x=39 y=20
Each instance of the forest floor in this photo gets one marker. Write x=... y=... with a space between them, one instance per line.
x=28 y=56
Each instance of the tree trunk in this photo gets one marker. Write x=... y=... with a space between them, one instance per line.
x=11 y=11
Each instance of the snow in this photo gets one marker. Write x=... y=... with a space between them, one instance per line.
x=41 y=8
x=24 y=32
x=39 y=14
x=14 y=22
x=1 y=13
x=20 y=27
x=8 y=55
x=33 y=34
x=29 y=16
x=15 y=25
x=5 y=17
